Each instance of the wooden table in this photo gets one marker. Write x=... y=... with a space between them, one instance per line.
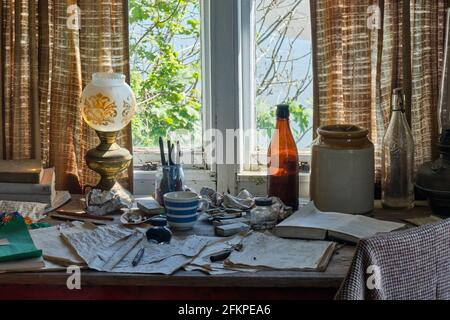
x=194 y=285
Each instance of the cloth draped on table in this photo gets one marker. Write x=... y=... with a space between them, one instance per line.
x=48 y=52
x=407 y=265
x=363 y=50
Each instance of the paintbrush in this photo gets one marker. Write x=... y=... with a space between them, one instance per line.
x=178 y=153
x=161 y=150
x=173 y=154
x=169 y=153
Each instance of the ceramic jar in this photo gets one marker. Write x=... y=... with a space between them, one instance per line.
x=107 y=103
x=342 y=170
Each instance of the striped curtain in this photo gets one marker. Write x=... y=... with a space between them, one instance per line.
x=48 y=52
x=363 y=49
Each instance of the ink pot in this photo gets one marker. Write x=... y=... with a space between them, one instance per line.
x=159 y=231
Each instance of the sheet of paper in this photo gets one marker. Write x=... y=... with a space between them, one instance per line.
x=203 y=262
x=61 y=198
x=216 y=245
x=53 y=246
x=32 y=264
x=88 y=243
x=166 y=266
x=163 y=258
x=53 y=266
x=214 y=271
x=218 y=268
x=264 y=250
x=362 y=227
x=34 y=210
x=108 y=259
x=105 y=243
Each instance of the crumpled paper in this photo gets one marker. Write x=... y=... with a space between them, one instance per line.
x=112 y=248
x=243 y=201
x=100 y=203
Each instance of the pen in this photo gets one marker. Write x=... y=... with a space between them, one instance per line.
x=138 y=257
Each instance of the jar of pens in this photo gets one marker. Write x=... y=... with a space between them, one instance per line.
x=171 y=176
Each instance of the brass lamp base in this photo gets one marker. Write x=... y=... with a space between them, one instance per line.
x=108 y=159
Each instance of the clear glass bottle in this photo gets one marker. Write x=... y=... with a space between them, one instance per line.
x=263 y=216
x=398 y=158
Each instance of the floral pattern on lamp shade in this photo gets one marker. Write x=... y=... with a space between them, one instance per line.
x=99 y=110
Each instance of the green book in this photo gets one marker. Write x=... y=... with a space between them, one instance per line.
x=15 y=239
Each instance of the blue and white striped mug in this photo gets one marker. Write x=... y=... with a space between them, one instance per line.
x=182 y=208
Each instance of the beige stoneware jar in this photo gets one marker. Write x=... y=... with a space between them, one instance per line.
x=342 y=170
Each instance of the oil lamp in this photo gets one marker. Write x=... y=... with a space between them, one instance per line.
x=107 y=105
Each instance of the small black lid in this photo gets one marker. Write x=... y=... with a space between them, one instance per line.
x=263 y=202
x=283 y=111
x=158 y=221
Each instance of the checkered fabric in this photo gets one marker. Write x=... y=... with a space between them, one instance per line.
x=45 y=62
x=406 y=265
x=357 y=66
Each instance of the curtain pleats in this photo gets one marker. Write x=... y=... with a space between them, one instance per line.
x=427 y=44
x=358 y=65
x=47 y=61
x=19 y=73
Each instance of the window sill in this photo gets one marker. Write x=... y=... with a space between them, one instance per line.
x=256 y=183
x=144 y=181
x=253 y=181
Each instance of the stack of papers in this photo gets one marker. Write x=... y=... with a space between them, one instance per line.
x=112 y=248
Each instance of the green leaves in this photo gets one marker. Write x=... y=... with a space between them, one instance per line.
x=166 y=72
x=165 y=59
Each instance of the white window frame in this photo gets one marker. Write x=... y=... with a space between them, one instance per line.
x=248 y=98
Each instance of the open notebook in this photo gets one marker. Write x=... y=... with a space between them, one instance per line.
x=310 y=223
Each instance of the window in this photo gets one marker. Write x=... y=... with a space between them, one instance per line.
x=283 y=66
x=165 y=61
x=282 y=72
x=210 y=65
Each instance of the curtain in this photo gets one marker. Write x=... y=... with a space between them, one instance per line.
x=49 y=50
x=364 y=49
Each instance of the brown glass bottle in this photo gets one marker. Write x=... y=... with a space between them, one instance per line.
x=282 y=164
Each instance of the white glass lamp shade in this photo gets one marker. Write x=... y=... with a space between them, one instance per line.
x=107 y=103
